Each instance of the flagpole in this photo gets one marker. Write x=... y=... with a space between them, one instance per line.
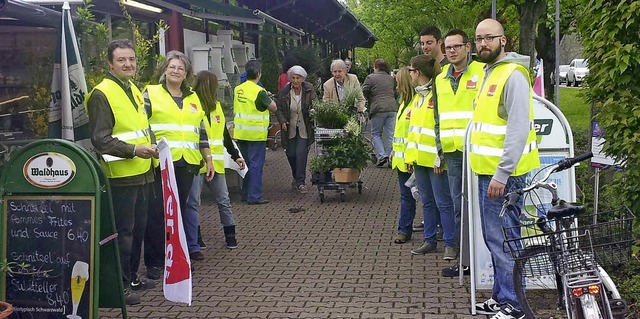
x=67 y=116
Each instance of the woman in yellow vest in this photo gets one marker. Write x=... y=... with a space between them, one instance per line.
x=422 y=155
x=405 y=88
x=206 y=86
x=175 y=113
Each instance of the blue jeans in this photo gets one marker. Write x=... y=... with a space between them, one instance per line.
x=218 y=186
x=407 y=206
x=492 y=232
x=254 y=153
x=297 y=153
x=436 y=200
x=454 y=172
x=383 y=122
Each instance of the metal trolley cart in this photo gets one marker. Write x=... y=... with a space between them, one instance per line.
x=327 y=181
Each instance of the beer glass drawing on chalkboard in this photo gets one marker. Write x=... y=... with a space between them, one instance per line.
x=79 y=277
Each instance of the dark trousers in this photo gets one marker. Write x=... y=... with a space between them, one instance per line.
x=297 y=152
x=155 y=236
x=130 y=205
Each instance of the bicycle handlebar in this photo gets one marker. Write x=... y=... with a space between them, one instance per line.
x=511 y=198
x=567 y=163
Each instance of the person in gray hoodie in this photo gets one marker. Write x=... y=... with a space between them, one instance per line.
x=379 y=89
x=503 y=150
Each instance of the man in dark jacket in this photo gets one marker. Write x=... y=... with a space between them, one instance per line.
x=379 y=89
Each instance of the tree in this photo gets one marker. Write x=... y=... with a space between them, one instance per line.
x=610 y=43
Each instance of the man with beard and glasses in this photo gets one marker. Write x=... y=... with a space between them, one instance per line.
x=503 y=150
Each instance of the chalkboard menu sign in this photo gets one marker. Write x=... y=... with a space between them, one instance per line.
x=48 y=268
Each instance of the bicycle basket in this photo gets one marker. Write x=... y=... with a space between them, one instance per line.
x=608 y=241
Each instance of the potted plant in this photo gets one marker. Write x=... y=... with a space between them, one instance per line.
x=320 y=170
x=345 y=155
x=329 y=115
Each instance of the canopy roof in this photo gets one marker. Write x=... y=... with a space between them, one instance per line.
x=326 y=19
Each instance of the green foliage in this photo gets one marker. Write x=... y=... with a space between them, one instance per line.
x=628 y=282
x=329 y=114
x=349 y=152
x=320 y=164
x=93 y=39
x=269 y=59
x=143 y=46
x=610 y=38
x=609 y=32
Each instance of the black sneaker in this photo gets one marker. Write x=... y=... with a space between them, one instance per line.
x=508 y=312
x=454 y=271
x=231 y=242
x=142 y=284
x=418 y=227
x=382 y=161
x=196 y=256
x=489 y=307
x=155 y=273
x=201 y=243
x=130 y=297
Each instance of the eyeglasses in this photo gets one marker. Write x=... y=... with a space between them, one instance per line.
x=455 y=47
x=177 y=69
x=487 y=38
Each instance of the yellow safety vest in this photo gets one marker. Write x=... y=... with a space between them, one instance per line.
x=181 y=127
x=421 y=140
x=456 y=108
x=400 y=136
x=131 y=126
x=249 y=123
x=215 y=133
x=488 y=130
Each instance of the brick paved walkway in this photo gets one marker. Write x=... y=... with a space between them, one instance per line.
x=334 y=260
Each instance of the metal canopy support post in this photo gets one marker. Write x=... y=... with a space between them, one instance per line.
x=279 y=23
x=210 y=16
x=556 y=74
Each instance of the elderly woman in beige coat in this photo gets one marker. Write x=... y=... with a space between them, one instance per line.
x=341 y=83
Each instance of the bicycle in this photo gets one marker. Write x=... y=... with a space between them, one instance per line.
x=553 y=248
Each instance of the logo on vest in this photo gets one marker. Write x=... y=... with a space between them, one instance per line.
x=49 y=170
x=194 y=108
x=430 y=104
x=492 y=90
x=471 y=85
x=218 y=119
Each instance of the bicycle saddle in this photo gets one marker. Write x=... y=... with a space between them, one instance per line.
x=565 y=209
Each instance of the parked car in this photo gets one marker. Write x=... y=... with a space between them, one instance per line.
x=578 y=70
x=562 y=75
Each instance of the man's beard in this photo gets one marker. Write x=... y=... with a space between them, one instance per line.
x=491 y=58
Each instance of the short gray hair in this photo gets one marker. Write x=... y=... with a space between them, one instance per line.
x=297 y=70
x=338 y=64
x=179 y=56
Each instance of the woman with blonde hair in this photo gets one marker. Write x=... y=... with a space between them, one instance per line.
x=405 y=89
x=175 y=113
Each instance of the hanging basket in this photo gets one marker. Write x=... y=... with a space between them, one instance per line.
x=346 y=175
x=5 y=309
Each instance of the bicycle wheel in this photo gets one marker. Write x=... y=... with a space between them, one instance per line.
x=589 y=308
x=535 y=270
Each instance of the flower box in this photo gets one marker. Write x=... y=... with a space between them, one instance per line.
x=346 y=175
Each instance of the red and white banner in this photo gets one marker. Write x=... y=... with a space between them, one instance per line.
x=177 y=265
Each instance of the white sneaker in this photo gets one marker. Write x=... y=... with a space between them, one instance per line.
x=508 y=313
x=489 y=307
